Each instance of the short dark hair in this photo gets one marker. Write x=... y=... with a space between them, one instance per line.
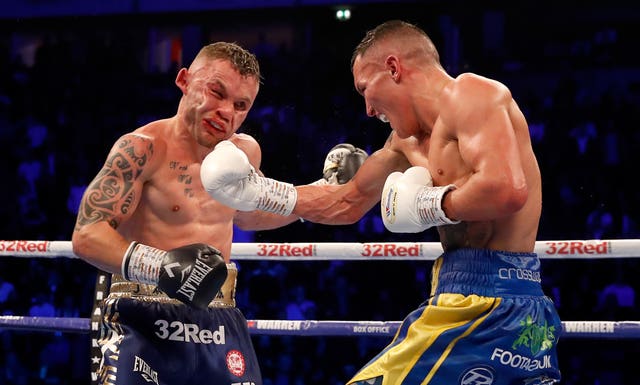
x=388 y=28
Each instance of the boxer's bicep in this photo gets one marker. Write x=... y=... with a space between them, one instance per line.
x=114 y=193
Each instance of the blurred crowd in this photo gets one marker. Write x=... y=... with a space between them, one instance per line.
x=61 y=110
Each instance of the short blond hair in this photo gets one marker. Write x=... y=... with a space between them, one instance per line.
x=241 y=59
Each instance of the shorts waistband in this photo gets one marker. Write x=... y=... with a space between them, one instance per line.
x=121 y=288
x=488 y=273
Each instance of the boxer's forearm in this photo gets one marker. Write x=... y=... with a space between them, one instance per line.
x=330 y=204
x=100 y=245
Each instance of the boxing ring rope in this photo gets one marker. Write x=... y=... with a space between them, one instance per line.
x=575 y=249
x=308 y=328
x=571 y=249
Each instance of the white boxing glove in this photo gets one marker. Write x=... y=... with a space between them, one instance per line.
x=410 y=203
x=229 y=178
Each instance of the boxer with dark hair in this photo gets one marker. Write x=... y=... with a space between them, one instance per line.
x=459 y=159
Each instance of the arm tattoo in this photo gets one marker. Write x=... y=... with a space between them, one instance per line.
x=111 y=192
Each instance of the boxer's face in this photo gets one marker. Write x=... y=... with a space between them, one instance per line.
x=375 y=82
x=217 y=100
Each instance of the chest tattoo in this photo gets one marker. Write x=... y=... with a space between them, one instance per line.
x=184 y=178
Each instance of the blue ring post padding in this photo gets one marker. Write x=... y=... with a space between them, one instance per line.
x=570 y=329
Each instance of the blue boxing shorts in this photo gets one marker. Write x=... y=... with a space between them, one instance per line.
x=147 y=338
x=487 y=322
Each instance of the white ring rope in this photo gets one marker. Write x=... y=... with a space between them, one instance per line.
x=573 y=249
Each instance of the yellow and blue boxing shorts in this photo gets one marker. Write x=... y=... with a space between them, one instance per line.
x=487 y=322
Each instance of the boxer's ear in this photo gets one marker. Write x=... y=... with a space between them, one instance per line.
x=182 y=79
x=392 y=65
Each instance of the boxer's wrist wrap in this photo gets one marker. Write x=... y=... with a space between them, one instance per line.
x=142 y=263
x=276 y=197
x=429 y=204
x=320 y=182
